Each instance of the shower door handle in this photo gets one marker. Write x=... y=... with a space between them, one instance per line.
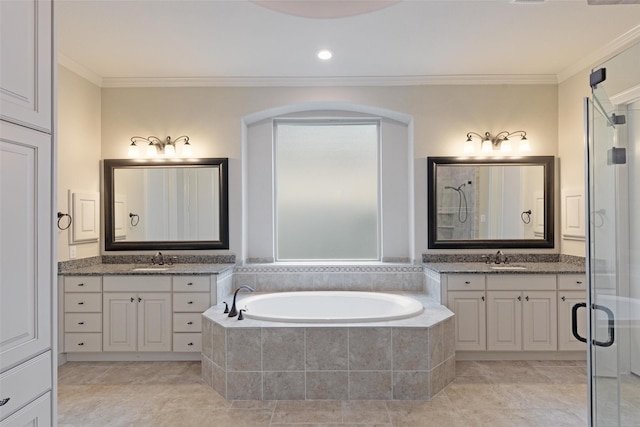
x=574 y=321
x=611 y=324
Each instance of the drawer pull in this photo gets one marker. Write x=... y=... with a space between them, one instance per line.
x=519 y=298
x=189 y=323
x=132 y=299
x=80 y=343
x=563 y=298
x=190 y=343
x=80 y=284
x=467 y=282
x=579 y=282
x=139 y=299
x=190 y=284
x=190 y=302
x=81 y=303
x=80 y=323
x=4 y=401
x=527 y=297
x=482 y=297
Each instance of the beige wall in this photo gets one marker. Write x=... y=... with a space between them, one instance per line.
x=571 y=146
x=442 y=115
x=79 y=139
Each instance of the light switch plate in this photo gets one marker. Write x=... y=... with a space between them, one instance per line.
x=73 y=253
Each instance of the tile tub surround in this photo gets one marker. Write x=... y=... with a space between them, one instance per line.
x=408 y=359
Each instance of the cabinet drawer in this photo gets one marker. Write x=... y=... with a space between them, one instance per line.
x=74 y=343
x=36 y=413
x=466 y=282
x=82 y=284
x=187 y=342
x=521 y=282
x=83 y=322
x=191 y=283
x=82 y=303
x=24 y=383
x=187 y=322
x=196 y=302
x=572 y=282
x=157 y=283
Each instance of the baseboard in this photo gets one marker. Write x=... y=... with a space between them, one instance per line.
x=521 y=355
x=131 y=357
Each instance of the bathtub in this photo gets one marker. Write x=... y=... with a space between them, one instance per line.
x=330 y=307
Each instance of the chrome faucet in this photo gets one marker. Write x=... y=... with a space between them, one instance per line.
x=158 y=258
x=234 y=311
x=501 y=258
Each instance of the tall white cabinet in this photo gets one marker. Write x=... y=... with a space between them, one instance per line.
x=27 y=171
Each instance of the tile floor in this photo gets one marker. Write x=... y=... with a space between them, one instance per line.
x=519 y=393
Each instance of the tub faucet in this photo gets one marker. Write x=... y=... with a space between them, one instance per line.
x=501 y=258
x=158 y=258
x=234 y=311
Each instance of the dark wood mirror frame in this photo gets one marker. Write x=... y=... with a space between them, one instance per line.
x=111 y=244
x=548 y=239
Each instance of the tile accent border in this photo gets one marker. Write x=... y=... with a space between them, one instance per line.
x=450 y=258
x=339 y=362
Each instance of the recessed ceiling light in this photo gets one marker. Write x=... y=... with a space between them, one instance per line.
x=325 y=54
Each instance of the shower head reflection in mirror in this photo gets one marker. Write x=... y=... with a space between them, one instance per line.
x=462 y=202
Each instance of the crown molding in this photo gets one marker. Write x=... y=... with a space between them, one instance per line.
x=118 y=82
x=80 y=70
x=601 y=55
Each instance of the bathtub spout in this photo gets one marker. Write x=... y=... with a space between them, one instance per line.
x=234 y=311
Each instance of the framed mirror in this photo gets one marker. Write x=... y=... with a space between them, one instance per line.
x=166 y=204
x=491 y=203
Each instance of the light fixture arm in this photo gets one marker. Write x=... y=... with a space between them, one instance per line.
x=158 y=143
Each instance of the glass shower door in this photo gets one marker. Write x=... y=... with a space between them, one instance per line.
x=613 y=250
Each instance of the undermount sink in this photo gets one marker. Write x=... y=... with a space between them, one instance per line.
x=150 y=268
x=507 y=267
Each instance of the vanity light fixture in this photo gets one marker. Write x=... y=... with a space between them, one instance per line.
x=156 y=146
x=499 y=142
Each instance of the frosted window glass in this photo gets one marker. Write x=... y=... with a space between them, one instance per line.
x=327 y=191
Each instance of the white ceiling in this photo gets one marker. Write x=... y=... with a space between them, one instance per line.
x=241 y=42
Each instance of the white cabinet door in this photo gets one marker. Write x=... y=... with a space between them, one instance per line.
x=25 y=68
x=566 y=301
x=470 y=319
x=119 y=313
x=539 y=321
x=26 y=218
x=154 y=321
x=504 y=320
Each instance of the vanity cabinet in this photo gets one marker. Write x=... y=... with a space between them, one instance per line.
x=514 y=312
x=467 y=298
x=82 y=313
x=571 y=291
x=138 y=319
x=135 y=313
x=191 y=297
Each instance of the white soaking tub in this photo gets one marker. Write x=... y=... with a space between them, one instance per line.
x=329 y=307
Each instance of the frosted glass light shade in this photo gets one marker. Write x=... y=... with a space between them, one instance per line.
x=169 y=150
x=186 y=150
x=524 y=144
x=133 y=150
x=505 y=145
x=151 y=150
x=469 y=147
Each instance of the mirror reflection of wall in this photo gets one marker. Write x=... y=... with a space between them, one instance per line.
x=170 y=203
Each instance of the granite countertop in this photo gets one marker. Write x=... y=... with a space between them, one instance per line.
x=529 y=268
x=148 y=269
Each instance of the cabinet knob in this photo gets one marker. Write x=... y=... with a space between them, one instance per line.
x=80 y=343
x=467 y=282
x=482 y=297
x=563 y=298
x=190 y=302
x=139 y=299
x=527 y=298
x=579 y=282
x=80 y=284
x=189 y=323
x=4 y=401
x=80 y=323
x=81 y=303
x=519 y=298
x=190 y=343
x=190 y=284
